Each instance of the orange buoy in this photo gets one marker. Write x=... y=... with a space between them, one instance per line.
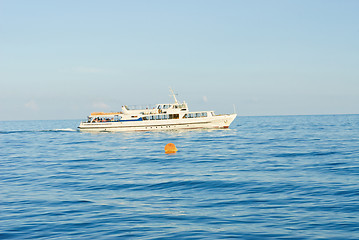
x=170 y=148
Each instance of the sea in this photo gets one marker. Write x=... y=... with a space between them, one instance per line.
x=272 y=177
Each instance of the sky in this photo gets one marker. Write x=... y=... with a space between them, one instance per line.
x=65 y=59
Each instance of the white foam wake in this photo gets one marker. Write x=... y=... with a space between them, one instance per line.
x=64 y=130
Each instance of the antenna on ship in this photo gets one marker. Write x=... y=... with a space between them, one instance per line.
x=173 y=95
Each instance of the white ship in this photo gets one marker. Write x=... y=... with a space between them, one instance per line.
x=162 y=117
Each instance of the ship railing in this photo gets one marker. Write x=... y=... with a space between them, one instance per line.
x=141 y=107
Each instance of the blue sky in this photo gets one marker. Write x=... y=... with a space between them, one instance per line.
x=65 y=59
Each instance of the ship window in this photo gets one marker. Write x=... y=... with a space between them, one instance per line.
x=165 y=117
x=198 y=115
x=158 y=117
x=146 y=118
x=204 y=114
x=152 y=117
x=185 y=116
x=174 y=116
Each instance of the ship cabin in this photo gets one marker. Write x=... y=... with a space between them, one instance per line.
x=159 y=112
x=172 y=108
x=170 y=116
x=157 y=109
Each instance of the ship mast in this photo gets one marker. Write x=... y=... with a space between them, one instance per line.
x=173 y=95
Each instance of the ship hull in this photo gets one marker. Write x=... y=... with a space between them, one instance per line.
x=217 y=121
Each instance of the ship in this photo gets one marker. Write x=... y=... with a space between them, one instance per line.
x=168 y=116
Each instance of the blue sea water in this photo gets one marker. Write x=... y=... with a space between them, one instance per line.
x=283 y=177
